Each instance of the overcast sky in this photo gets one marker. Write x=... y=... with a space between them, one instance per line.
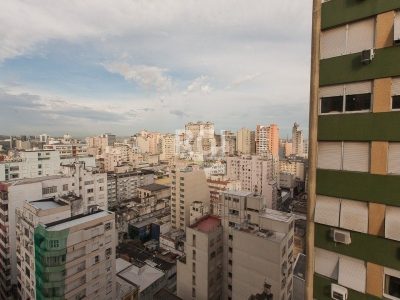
x=94 y=66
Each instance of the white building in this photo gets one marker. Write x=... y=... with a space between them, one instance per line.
x=81 y=188
x=258 y=248
x=81 y=248
x=68 y=150
x=167 y=147
x=297 y=140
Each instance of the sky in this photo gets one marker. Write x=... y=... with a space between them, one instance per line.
x=95 y=66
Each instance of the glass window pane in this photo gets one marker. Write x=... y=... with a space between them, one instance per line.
x=358 y=102
x=396 y=102
x=332 y=104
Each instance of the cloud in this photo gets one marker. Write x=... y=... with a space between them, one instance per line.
x=149 y=77
x=200 y=85
x=244 y=79
x=178 y=113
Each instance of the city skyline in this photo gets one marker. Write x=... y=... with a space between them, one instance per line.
x=93 y=68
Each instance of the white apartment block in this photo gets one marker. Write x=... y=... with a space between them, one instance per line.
x=258 y=248
x=188 y=185
x=68 y=150
x=64 y=256
x=256 y=174
x=228 y=142
x=199 y=272
x=30 y=164
x=82 y=188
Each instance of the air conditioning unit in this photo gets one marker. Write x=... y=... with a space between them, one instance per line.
x=338 y=292
x=341 y=236
x=367 y=56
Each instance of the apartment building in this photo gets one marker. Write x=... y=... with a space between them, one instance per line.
x=199 y=272
x=82 y=197
x=293 y=165
x=297 y=140
x=68 y=149
x=188 y=185
x=258 y=248
x=216 y=186
x=245 y=142
x=228 y=142
x=64 y=256
x=354 y=178
x=167 y=147
x=267 y=140
x=122 y=187
x=256 y=174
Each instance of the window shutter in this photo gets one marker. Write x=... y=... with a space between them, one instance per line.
x=354 y=215
x=327 y=210
x=395 y=86
x=330 y=155
x=352 y=273
x=394 y=158
x=333 y=42
x=331 y=91
x=397 y=26
x=364 y=87
x=326 y=263
x=356 y=156
x=361 y=36
x=392 y=223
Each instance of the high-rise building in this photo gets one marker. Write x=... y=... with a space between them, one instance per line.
x=354 y=208
x=199 y=273
x=64 y=256
x=83 y=189
x=188 y=185
x=244 y=141
x=167 y=147
x=297 y=140
x=228 y=142
x=258 y=248
x=256 y=174
x=267 y=140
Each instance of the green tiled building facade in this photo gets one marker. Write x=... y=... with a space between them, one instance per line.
x=355 y=193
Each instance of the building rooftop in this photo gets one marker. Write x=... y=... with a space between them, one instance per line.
x=273 y=236
x=47 y=204
x=207 y=224
x=164 y=294
x=141 y=275
x=239 y=193
x=75 y=220
x=153 y=187
x=276 y=215
x=36 y=179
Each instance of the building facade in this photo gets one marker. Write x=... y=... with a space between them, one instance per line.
x=354 y=207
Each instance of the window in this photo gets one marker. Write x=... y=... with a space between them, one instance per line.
x=49 y=190
x=327 y=210
x=394 y=158
x=329 y=155
x=230 y=274
x=396 y=91
x=108 y=251
x=107 y=226
x=358 y=102
x=54 y=243
x=230 y=237
x=391 y=284
x=27 y=272
x=89 y=191
x=212 y=255
x=351 y=38
x=352 y=273
x=194 y=267
x=96 y=259
x=351 y=97
x=39 y=166
x=326 y=263
x=396 y=102
x=194 y=240
x=65 y=187
x=194 y=254
x=331 y=104
x=354 y=215
x=230 y=262
x=193 y=292
x=392 y=223
x=193 y=279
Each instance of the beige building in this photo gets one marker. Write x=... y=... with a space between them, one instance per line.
x=293 y=166
x=258 y=248
x=199 y=272
x=60 y=255
x=245 y=141
x=188 y=185
x=297 y=140
x=167 y=147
